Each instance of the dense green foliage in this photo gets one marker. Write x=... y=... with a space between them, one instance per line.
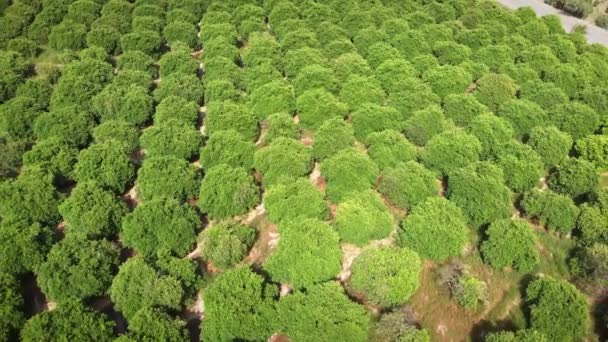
x=287 y=201
x=106 y=163
x=167 y=176
x=510 y=244
x=308 y=253
x=387 y=276
x=435 y=229
x=555 y=211
x=227 y=191
x=226 y=244
x=348 y=171
x=284 y=158
x=408 y=184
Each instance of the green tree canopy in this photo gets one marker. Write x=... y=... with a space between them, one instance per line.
x=141 y=285
x=161 y=226
x=462 y=108
x=77 y=269
x=12 y=317
x=93 y=211
x=24 y=246
x=480 y=191
x=389 y=148
x=594 y=148
x=362 y=216
x=31 y=197
x=117 y=130
x=69 y=322
x=408 y=184
x=557 y=309
x=523 y=115
x=107 y=164
x=332 y=136
x=369 y=118
x=152 y=323
x=187 y=86
x=227 y=191
x=348 y=171
x=527 y=335
x=167 y=176
x=450 y=150
x=129 y=103
x=495 y=89
x=227 y=147
x=358 y=90
x=273 y=97
x=54 y=156
x=510 y=244
x=493 y=132
x=284 y=158
x=280 y=125
x=317 y=105
x=575 y=118
x=176 y=107
x=225 y=244
x=229 y=115
x=555 y=211
x=286 y=201
x=171 y=138
x=69 y=123
x=574 y=177
x=550 y=143
x=447 y=79
x=239 y=305
x=435 y=229
x=387 y=276
x=336 y=317
x=308 y=253
x=521 y=165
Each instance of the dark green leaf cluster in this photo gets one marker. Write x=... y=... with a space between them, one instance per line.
x=286 y=201
x=224 y=245
x=510 y=244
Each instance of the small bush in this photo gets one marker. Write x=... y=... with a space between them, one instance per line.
x=167 y=176
x=348 y=171
x=284 y=158
x=332 y=136
x=227 y=191
x=408 y=184
x=510 y=244
x=224 y=245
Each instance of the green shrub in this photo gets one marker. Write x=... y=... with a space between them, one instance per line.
x=336 y=316
x=177 y=60
x=167 y=176
x=229 y=115
x=574 y=177
x=25 y=47
x=462 y=108
x=131 y=104
x=81 y=80
x=310 y=237
x=387 y=276
x=556 y=212
x=510 y=243
x=361 y=217
x=68 y=35
x=284 y=158
x=493 y=133
x=348 y=171
x=480 y=191
x=69 y=322
x=38 y=89
x=280 y=125
x=568 y=77
x=370 y=118
x=435 y=229
x=71 y=124
x=557 y=309
x=332 y=136
x=274 y=97
x=392 y=72
x=424 y=124
x=286 y=201
x=545 y=94
x=181 y=31
x=106 y=163
x=161 y=226
x=350 y=64
x=520 y=335
x=602 y=21
x=54 y=156
x=450 y=150
x=135 y=60
x=17 y=117
x=469 y=292
x=117 y=130
x=12 y=301
x=594 y=148
x=360 y=90
x=407 y=184
x=105 y=37
x=139 y=285
x=575 y=118
x=396 y=326
x=227 y=147
x=149 y=323
x=187 y=86
x=171 y=138
x=550 y=143
x=218 y=90
x=76 y=269
x=227 y=191
x=24 y=248
x=238 y=305
x=523 y=115
x=146 y=41
x=176 y=108
x=30 y=197
x=447 y=79
x=225 y=244
x=315 y=76
x=317 y=105
x=495 y=89
x=389 y=148
x=521 y=165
